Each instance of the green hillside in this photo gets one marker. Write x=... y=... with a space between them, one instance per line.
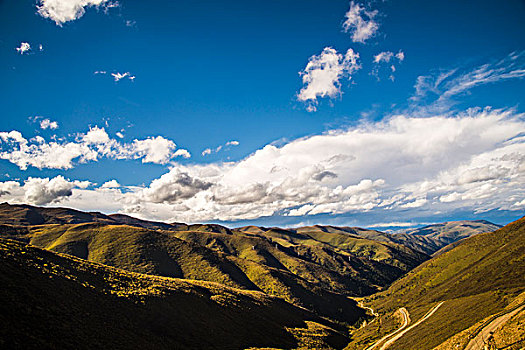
x=477 y=278
x=163 y=253
x=315 y=270
x=447 y=232
x=51 y=301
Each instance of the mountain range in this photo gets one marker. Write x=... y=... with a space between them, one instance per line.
x=312 y=274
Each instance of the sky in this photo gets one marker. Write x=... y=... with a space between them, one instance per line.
x=382 y=114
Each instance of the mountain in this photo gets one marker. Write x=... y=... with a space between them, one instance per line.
x=53 y=301
x=428 y=239
x=22 y=214
x=315 y=271
x=311 y=277
x=449 y=232
x=479 y=278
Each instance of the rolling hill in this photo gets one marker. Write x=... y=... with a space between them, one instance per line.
x=52 y=301
x=316 y=273
x=479 y=277
x=315 y=267
x=449 y=232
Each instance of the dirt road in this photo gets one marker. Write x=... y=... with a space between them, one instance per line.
x=402 y=332
x=406 y=321
x=479 y=341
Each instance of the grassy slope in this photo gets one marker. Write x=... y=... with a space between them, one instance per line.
x=477 y=278
x=162 y=253
x=452 y=231
x=52 y=301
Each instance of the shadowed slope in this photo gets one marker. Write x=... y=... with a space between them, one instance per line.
x=52 y=301
x=163 y=253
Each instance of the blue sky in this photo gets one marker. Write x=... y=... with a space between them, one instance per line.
x=383 y=113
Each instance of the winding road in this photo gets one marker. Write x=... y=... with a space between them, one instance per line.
x=360 y=304
x=478 y=342
x=403 y=329
x=400 y=334
x=406 y=321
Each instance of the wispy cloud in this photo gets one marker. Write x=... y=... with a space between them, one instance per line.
x=217 y=149
x=118 y=76
x=62 y=11
x=322 y=75
x=437 y=93
x=360 y=23
x=387 y=58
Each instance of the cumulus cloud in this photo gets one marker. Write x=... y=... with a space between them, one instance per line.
x=153 y=150
x=91 y=146
x=182 y=153
x=62 y=11
x=173 y=187
x=48 y=124
x=403 y=165
x=24 y=47
x=40 y=191
x=360 y=23
x=110 y=184
x=322 y=75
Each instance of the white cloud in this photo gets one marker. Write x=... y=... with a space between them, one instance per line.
x=48 y=124
x=40 y=47
x=90 y=146
x=360 y=23
x=384 y=56
x=110 y=184
x=42 y=191
x=24 y=47
x=119 y=134
x=117 y=76
x=62 y=11
x=395 y=224
x=154 y=150
x=400 y=166
x=323 y=73
x=182 y=153
x=387 y=58
x=209 y=151
x=436 y=93
x=100 y=72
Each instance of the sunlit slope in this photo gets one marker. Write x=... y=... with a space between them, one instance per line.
x=22 y=214
x=52 y=301
x=477 y=278
x=345 y=240
x=162 y=253
x=449 y=232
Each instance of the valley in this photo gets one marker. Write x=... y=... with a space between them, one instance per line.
x=416 y=289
